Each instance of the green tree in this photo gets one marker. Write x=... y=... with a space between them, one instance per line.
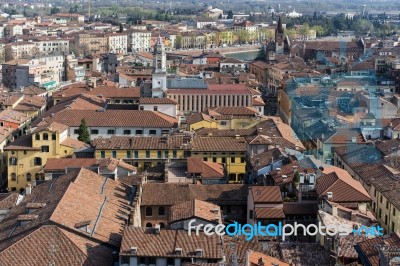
x=262 y=55
x=178 y=42
x=230 y=14
x=83 y=132
x=55 y=10
x=362 y=26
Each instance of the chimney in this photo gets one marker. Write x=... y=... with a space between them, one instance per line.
x=28 y=189
x=294 y=168
x=354 y=139
x=259 y=130
x=330 y=195
x=157 y=229
x=133 y=251
x=334 y=209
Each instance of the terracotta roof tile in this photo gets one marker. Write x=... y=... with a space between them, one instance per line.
x=168 y=194
x=266 y=194
x=150 y=244
x=222 y=144
x=195 y=209
x=196 y=165
x=113 y=118
x=269 y=213
x=342 y=185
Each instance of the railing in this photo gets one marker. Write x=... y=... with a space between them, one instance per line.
x=306 y=188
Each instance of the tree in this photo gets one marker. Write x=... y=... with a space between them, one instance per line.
x=83 y=132
x=55 y=10
x=230 y=14
x=362 y=26
x=262 y=55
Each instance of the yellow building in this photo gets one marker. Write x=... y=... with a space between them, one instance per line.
x=27 y=155
x=230 y=151
x=199 y=120
x=143 y=152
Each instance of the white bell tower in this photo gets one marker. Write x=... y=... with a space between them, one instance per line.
x=159 y=84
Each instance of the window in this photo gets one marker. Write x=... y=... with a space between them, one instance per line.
x=76 y=131
x=128 y=154
x=232 y=159
x=162 y=225
x=214 y=160
x=386 y=219
x=111 y=132
x=54 y=136
x=117 y=101
x=114 y=154
x=125 y=259
x=94 y=131
x=45 y=148
x=393 y=227
x=13 y=177
x=394 y=211
x=159 y=154
x=166 y=154
x=37 y=136
x=103 y=154
x=13 y=161
x=242 y=159
x=155 y=108
x=147 y=154
x=161 y=211
x=223 y=160
x=153 y=132
x=147 y=225
x=381 y=199
x=222 y=123
x=136 y=154
x=387 y=204
x=205 y=159
x=45 y=136
x=380 y=213
x=28 y=177
x=139 y=132
x=141 y=108
x=174 y=155
x=149 y=211
x=37 y=161
x=127 y=132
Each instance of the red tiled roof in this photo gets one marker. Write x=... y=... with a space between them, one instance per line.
x=269 y=213
x=164 y=244
x=266 y=194
x=113 y=118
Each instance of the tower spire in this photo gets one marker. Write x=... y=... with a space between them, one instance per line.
x=280 y=27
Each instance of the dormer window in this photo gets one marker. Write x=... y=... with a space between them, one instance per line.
x=83 y=226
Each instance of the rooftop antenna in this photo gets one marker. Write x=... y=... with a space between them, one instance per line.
x=363 y=10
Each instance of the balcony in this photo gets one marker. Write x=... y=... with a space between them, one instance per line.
x=306 y=187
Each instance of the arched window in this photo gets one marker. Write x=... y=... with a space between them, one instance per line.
x=161 y=211
x=37 y=176
x=54 y=136
x=45 y=136
x=13 y=177
x=149 y=211
x=162 y=225
x=37 y=136
x=149 y=225
x=28 y=177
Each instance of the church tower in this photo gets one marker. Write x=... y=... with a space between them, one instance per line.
x=159 y=77
x=279 y=38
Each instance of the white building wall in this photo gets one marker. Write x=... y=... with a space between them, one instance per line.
x=168 y=109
